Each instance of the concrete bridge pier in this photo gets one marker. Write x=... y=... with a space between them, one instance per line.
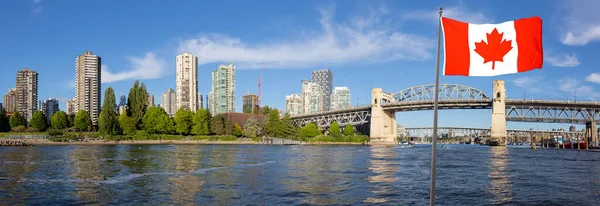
x=591 y=133
x=383 y=123
x=498 y=130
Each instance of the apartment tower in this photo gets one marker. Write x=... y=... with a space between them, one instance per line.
x=293 y=104
x=88 y=84
x=340 y=99
x=169 y=101
x=250 y=103
x=324 y=78
x=313 y=97
x=49 y=107
x=27 y=93
x=223 y=89
x=187 y=81
x=10 y=100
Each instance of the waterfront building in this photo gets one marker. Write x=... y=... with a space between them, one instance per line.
x=313 y=98
x=223 y=89
x=340 y=99
x=187 y=81
x=88 y=86
x=122 y=109
x=27 y=93
x=71 y=107
x=169 y=101
x=200 y=101
x=324 y=78
x=250 y=103
x=10 y=100
x=122 y=100
x=293 y=104
x=210 y=102
x=150 y=100
x=49 y=107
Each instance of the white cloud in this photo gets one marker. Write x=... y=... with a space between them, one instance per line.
x=594 y=77
x=148 y=67
x=37 y=1
x=458 y=12
x=563 y=60
x=37 y=8
x=526 y=81
x=573 y=87
x=582 y=24
x=361 y=39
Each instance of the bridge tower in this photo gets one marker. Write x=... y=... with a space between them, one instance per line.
x=498 y=130
x=383 y=123
x=591 y=133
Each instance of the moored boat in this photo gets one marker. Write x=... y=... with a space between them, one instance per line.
x=568 y=145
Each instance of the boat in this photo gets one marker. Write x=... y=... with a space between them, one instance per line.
x=573 y=145
x=406 y=144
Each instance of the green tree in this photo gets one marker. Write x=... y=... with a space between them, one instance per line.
x=156 y=121
x=348 y=130
x=38 y=121
x=273 y=126
x=136 y=103
x=334 y=130
x=183 y=121
x=265 y=110
x=288 y=130
x=201 y=121
x=238 y=130
x=71 y=120
x=83 y=120
x=4 y=121
x=252 y=127
x=17 y=120
x=59 y=120
x=309 y=130
x=108 y=120
x=229 y=126
x=127 y=124
x=218 y=125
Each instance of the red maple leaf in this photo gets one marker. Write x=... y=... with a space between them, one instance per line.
x=495 y=49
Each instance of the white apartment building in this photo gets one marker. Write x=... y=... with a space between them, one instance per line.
x=169 y=101
x=71 y=106
x=313 y=97
x=293 y=104
x=187 y=81
x=340 y=98
x=88 y=84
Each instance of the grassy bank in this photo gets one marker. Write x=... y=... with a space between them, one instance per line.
x=342 y=139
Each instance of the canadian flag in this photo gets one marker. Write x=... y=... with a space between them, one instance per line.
x=492 y=49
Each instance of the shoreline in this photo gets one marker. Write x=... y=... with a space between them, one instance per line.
x=46 y=142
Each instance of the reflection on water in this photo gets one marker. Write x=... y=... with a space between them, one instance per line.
x=86 y=167
x=185 y=186
x=384 y=170
x=500 y=186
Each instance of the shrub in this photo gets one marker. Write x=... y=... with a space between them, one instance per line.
x=54 y=132
x=32 y=130
x=19 y=129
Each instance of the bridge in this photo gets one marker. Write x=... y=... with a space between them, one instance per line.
x=482 y=132
x=380 y=116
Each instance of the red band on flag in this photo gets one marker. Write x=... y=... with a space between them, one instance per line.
x=456 y=47
x=529 y=37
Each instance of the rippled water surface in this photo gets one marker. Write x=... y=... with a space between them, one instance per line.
x=283 y=175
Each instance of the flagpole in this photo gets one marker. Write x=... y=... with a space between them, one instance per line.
x=435 y=115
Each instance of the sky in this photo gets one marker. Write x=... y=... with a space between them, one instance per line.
x=367 y=44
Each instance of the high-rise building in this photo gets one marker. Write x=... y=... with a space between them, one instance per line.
x=340 y=99
x=71 y=107
x=187 y=81
x=223 y=89
x=122 y=109
x=88 y=84
x=293 y=104
x=210 y=102
x=49 y=107
x=250 y=103
x=1 y=106
x=10 y=100
x=200 y=101
x=122 y=100
x=324 y=78
x=169 y=101
x=313 y=97
x=150 y=100
x=27 y=93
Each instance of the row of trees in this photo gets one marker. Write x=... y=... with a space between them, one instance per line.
x=17 y=122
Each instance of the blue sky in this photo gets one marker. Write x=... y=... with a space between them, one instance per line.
x=367 y=44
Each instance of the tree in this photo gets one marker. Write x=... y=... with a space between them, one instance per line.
x=238 y=130
x=273 y=126
x=334 y=130
x=4 y=121
x=288 y=130
x=348 y=130
x=218 y=125
x=265 y=110
x=17 y=120
x=156 y=121
x=201 y=122
x=137 y=101
x=59 y=120
x=309 y=130
x=108 y=120
x=83 y=120
x=38 y=121
x=183 y=121
x=229 y=126
x=127 y=124
x=252 y=127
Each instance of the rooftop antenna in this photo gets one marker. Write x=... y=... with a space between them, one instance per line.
x=259 y=76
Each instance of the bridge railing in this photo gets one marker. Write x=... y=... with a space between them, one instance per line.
x=529 y=101
x=353 y=108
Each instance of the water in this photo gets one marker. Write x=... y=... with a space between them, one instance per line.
x=296 y=175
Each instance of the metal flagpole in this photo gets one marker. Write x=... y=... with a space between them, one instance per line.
x=435 y=115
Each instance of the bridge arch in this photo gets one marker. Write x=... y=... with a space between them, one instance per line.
x=446 y=92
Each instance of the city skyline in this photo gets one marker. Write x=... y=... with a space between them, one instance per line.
x=566 y=73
